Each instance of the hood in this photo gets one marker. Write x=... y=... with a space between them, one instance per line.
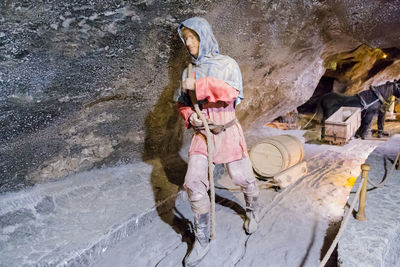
x=208 y=45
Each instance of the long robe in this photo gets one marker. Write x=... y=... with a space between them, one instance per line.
x=219 y=90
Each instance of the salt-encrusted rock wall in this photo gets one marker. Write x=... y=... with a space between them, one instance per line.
x=85 y=84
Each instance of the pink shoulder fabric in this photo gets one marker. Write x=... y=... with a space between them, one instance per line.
x=214 y=90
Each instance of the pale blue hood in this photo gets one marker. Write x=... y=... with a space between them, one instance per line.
x=209 y=62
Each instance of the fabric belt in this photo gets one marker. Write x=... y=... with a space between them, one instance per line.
x=215 y=128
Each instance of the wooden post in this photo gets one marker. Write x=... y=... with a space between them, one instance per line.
x=363 y=194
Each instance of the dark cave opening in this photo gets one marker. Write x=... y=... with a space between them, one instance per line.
x=324 y=86
x=347 y=72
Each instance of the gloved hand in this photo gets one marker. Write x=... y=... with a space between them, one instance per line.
x=195 y=120
x=189 y=84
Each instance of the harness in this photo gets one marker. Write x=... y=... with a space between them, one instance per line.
x=216 y=128
x=385 y=103
x=379 y=98
x=378 y=94
x=364 y=104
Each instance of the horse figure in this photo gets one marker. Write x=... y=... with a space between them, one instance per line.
x=370 y=101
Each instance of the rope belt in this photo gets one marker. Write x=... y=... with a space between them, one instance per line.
x=216 y=128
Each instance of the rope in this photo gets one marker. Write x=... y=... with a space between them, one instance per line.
x=210 y=150
x=384 y=179
x=310 y=119
x=342 y=227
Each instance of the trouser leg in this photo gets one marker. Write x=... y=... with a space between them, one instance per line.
x=196 y=184
x=241 y=173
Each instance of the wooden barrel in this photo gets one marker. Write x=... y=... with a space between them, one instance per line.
x=275 y=154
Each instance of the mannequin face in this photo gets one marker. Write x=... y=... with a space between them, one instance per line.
x=191 y=41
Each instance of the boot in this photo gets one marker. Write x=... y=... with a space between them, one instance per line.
x=366 y=134
x=252 y=214
x=382 y=134
x=202 y=240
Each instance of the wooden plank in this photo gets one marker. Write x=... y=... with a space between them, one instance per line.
x=291 y=175
x=377 y=138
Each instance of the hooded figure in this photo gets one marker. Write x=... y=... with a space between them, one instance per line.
x=217 y=83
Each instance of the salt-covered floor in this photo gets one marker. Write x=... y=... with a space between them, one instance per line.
x=73 y=220
x=376 y=241
x=111 y=217
x=291 y=233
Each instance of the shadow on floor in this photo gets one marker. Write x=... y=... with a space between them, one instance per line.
x=330 y=235
x=163 y=140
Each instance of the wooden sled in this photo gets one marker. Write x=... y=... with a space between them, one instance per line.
x=342 y=125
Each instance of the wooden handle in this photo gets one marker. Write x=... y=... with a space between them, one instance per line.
x=192 y=93
x=210 y=149
x=189 y=73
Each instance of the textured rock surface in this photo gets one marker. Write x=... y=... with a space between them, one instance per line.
x=85 y=84
x=356 y=70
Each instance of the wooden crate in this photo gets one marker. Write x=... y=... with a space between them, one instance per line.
x=342 y=125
